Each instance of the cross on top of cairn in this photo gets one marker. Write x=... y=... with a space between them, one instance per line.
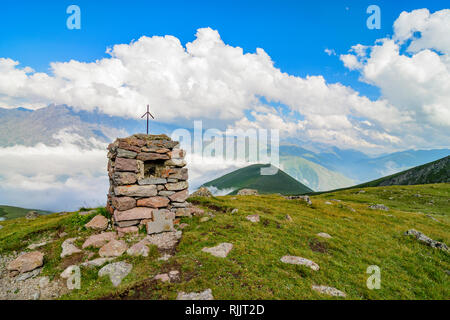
x=148 y=114
x=148 y=183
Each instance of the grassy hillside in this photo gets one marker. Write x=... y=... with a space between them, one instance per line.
x=360 y=237
x=250 y=177
x=9 y=212
x=434 y=172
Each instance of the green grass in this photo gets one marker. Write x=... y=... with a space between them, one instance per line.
x=252 y=270
x=250 y=177
x=10 y=212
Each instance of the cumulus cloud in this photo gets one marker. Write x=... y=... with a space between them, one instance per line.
x=412 y=70
x=205 y=79
x=221 y=84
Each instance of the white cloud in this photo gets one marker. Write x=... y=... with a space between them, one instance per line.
x=330 y=52
x=210 y=80
x=412 y=70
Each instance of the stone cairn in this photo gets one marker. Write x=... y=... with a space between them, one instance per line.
x=148 y=183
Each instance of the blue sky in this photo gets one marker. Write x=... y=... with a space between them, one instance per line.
x=294 y=33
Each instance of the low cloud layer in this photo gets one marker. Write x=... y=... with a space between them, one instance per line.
x=73 y=174
x=210 y=80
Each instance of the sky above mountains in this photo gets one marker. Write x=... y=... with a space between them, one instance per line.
x=373 y=90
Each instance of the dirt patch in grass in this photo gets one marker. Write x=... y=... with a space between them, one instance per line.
x=318 y=246
x=73 y=259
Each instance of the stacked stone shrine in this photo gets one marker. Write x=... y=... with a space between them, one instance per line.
x=148 y=182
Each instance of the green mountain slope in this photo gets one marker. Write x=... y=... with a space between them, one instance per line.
x=434 y=172
x=250 y=177
x=9 y=212
x=359 y=237
x=313 y=175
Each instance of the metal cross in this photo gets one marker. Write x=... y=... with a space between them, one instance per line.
x=147 y=114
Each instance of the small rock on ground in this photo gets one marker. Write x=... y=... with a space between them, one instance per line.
x=220 y=251
x=165 y=257
x=68 y=248
x=324 y=235
x=116 y=271
x=204 y=219
x=288 y=218
x=379 y=207
x=247 y=192
x=329 y=291
x=253 y=218
x=234 y=210
x=299 y=260
x=204 y=295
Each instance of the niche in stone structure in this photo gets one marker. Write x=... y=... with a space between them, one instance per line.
x=153 y=168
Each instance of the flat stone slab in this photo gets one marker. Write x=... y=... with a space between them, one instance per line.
x=116 y=272
x=301 y=261
x=253 y=218
x=426 y=240
x=68 y=248
x=27 y=262
x=324 y=235
x=204 y=295
x=137 y=213
x=220 y=251
x=153 y=202
x=136 y=191
x=162 y=222
x=165 y=240
x=99 y=240
x=329 y=291
x=29 y=275
x=96 y=262
x=114 y=248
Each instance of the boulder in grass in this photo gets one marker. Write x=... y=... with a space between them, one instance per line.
x=253 y=218
x=301 y=261
x=31 y=215
x=202 y=192
x=220 y=251
x=204 y=295
x=68 y=248
x=99 y=240
x=114 y=248
x=247 y=192
x=27 y=262
x=426 y=240
x=99 y=223
x=329 y=291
